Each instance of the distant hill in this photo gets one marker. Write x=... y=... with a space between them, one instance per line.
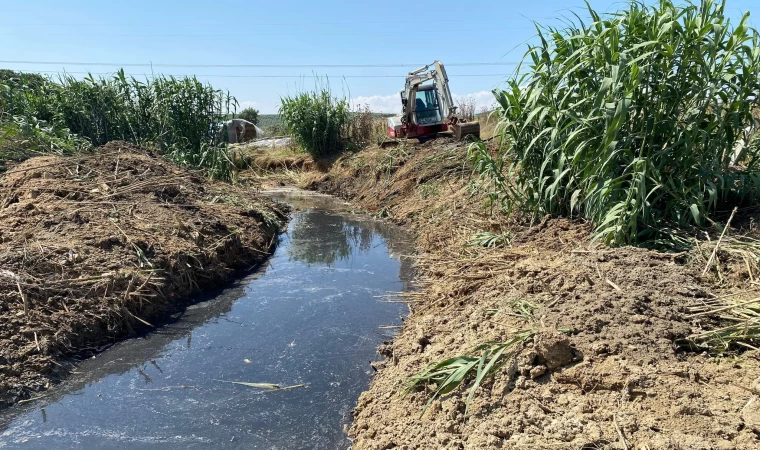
x=270 y=122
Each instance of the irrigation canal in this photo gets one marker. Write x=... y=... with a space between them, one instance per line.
x=310 y=316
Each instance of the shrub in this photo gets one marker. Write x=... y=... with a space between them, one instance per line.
x=466 y=108
x=363 y=127
x=250 y=114
x=630 y=121
x=315 y=120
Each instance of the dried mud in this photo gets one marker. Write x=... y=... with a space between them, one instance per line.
x=615 y=380
x=97 y=247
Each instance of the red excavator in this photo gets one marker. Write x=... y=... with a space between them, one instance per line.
x=428 y=109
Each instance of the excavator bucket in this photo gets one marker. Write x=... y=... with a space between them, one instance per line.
x=387 y=143
x=464 y=129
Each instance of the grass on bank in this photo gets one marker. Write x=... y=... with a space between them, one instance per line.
x=322 y=124
x=315 y=120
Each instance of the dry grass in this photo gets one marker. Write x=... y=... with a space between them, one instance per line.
x=489 y=123
x=720 y=256
x=728 y=322
x=466 y=109
x=363 y=128
x=732 y=322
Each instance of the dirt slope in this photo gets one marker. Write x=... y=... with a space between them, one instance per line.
x=615 y=380
x=94 y=248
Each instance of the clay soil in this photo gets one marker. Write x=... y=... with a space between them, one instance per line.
x=616 y=377
x=98 y=247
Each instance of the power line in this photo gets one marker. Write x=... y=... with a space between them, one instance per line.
x=235 y=66
x=251 y=35
x=207 y=24
x=261 y=76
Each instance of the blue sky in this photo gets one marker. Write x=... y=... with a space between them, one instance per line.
x=288 y=32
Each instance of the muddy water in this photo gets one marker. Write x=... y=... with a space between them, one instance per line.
x=310 y=316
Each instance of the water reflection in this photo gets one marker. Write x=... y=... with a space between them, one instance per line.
x=324 y=238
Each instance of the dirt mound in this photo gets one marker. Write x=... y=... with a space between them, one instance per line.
x=613 y=378
x=93 y=248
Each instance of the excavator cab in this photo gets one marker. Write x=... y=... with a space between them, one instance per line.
x=427 y=106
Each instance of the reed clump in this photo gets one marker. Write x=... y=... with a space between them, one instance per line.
x=631 y=121
x=182 y=118
x=316 y=120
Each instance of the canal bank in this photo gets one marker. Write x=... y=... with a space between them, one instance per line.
x=101 y=246
x=599 y=359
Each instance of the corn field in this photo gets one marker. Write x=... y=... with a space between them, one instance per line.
x=630 y=121
x=181 y=118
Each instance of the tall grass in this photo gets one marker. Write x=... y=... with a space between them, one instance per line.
x=181 y=118
x=315 y=120
x=630 y=121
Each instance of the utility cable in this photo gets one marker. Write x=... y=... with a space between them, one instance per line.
x=230 y=66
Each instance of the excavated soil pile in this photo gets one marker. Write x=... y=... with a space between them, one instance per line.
x=613 y=378
x=93 y=248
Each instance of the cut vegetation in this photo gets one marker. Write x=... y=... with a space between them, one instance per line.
x=99 y=246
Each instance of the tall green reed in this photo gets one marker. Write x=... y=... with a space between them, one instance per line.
x=316 y=120
x=181 y=118
x=630 y=121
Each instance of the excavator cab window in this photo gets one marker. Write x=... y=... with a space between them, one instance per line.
x=426 y=107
